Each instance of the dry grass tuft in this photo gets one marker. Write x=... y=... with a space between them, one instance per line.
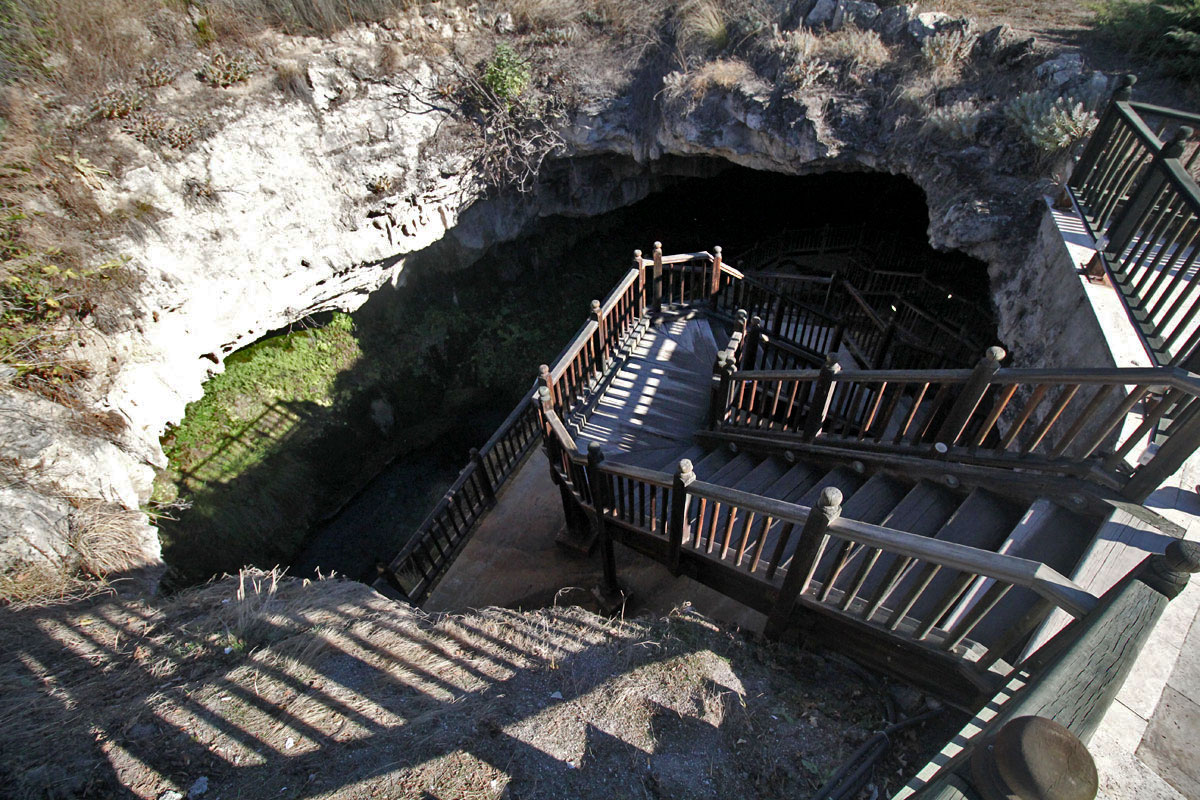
x=106 y=537
x=722 y=74
x=817 y=57
x=701 y=26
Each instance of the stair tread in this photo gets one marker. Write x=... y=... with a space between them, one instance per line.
x=799 y=477
x=1046 y=532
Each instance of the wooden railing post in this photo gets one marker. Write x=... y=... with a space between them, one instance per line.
x=1182 y=441
x=640 y=266
x=821 y=397
x=1142 y=199
x=684 y=477
x=885 y=344
x=600 y=342
x=740 y=322
x=716 y=405
x=600 y=502
x=839 y=333
x=808 y=551
x=485 y=482
x=656 y=281
x=1100 y=137
x=970 y=396
x=715 y=286
x=750 y=344
x=545 y=382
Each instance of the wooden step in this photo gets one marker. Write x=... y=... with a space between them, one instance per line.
x=843 y=478
x=799 y=477
x=1047 y=533
x=983 y=520
x=858 y=570
x=711 y=463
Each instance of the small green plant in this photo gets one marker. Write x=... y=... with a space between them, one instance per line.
x=225 y=69
x=156 y=128
x=959 y=121
x=1049 y=122
x=506 y=75
x=157 y=72
x=1168 y=31
x=118 y=102
x=948 y=48
x=204 y=33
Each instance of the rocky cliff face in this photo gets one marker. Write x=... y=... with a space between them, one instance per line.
x=295 y=205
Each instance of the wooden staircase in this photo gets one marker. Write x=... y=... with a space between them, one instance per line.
x=922 y=520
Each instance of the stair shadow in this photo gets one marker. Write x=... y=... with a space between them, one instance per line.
x=299 y=695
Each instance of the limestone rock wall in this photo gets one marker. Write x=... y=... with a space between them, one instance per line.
x=292 y=207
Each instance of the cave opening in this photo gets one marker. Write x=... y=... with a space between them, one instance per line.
x=323 y=447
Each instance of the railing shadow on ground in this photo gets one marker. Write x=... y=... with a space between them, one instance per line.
x=302 y=693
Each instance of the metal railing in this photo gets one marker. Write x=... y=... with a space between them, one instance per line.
x=1134 y=186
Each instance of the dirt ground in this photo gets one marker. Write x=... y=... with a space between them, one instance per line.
x=253 y=688
x=1068 y=26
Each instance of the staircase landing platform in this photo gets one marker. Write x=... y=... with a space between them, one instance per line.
x=512 y=560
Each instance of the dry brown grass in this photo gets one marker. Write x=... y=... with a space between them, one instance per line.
x=851 y=53
x=349 y=695
x=723 y=74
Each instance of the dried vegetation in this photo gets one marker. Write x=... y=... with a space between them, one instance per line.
x=258 y=683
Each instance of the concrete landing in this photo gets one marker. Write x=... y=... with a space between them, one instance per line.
x=512 y=561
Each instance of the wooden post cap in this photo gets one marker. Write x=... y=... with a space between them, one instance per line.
x=831 y=497
x=637 y=254
x=685 y=467
x=544 y=370
x=1183 y=556
x=658 y=245
x=1124 y=88
x=995 y=354
x=741 y=315
x=544 y=394
x=1175 y=145
x=1169 y=573
x=717 y=251
x=593 y=447
x=1033 y=758
x=595 y=306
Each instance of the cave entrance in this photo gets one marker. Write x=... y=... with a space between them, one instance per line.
x=325 y=446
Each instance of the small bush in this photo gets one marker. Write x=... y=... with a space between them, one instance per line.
x=506 y=75
x=156 y=128
x=225 y=69
x=959 y=121
x=724 y=74
x=1049 y=122
x=949 y=48
x=118 y=102
x=158 y=72
x=1168 y=31
x=380 y=184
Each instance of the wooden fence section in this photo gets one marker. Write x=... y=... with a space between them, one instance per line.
x=439 y=538
x=897 y=588
x=1135 y=188
x=1083 y=423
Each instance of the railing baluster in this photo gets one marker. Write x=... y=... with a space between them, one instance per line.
x=1065 y=397
x=1083 y=419
x=1014 y=430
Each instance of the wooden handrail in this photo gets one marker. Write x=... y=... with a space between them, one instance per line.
x=1042 y=579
